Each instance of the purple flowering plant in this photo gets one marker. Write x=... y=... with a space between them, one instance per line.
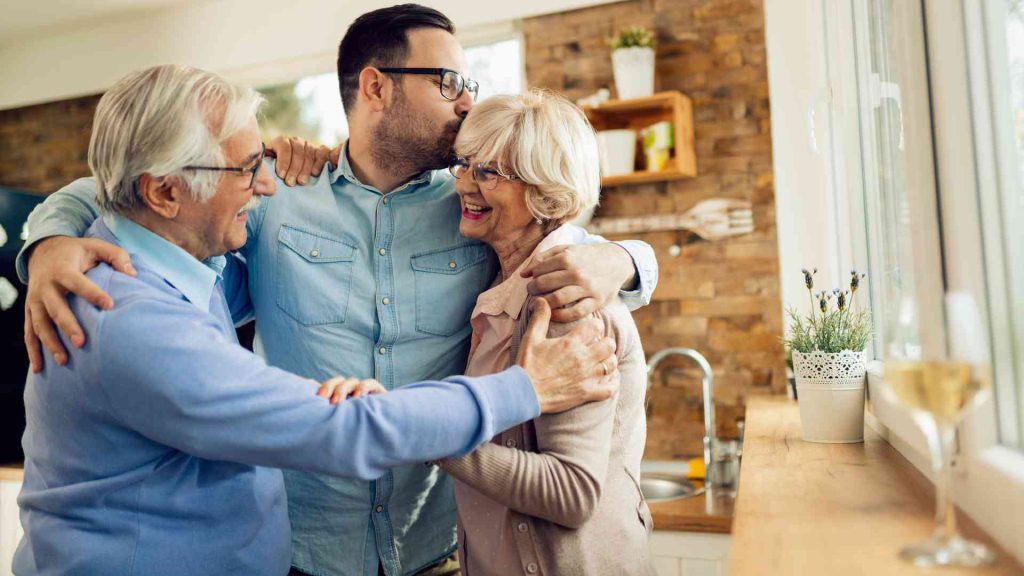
x=833 y=324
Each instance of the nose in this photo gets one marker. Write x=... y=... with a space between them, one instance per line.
x=265 y=183
x=464 y=104
x=466 y=184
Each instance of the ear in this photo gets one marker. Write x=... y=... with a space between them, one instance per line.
x=164 y=196
x=375 y=89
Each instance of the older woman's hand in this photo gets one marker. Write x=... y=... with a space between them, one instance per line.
x=341 y=388
x=579 y=279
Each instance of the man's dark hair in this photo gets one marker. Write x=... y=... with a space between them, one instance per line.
x=379 y=38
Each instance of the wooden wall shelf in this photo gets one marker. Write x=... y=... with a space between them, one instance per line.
x=639 y=113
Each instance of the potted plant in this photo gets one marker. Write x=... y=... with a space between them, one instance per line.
x=829 y=361
x=633 y=62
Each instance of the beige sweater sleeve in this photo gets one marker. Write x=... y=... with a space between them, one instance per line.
x=561 y=482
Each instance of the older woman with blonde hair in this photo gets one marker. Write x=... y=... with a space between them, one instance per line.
x=559 y=494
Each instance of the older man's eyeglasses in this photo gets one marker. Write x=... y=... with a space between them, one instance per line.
x=253 y=170
x=452 y=83
x=484 y=176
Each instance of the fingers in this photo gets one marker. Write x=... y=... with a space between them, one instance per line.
x=336 y=155
x=319 y=159
x=340 y=388
x=59 y=312
x=299 y=161
x=546 y=283
x=116 y=256
x=45 y=331
x=587 y=331
x=35 y=353
x=577 y=311
x=537 y=331
x=282 y=148
x=547 y=261
x=81 y=286
x=566 y=296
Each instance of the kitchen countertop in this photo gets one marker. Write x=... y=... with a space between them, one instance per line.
x=12 y=472
x=708 y=512
x=835 y=509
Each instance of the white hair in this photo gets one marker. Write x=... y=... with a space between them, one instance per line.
x=158 y=121
x=544 y=140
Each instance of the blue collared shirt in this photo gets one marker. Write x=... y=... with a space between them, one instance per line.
x=150 y=452
x=346 y=280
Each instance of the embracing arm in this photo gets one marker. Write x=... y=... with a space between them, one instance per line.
x=585 y=276
x=186 y=386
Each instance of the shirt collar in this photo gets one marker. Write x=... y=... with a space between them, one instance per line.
x=344 y=170
x=194 y=279
x=510 y=296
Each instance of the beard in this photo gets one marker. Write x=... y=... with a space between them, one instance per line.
x=408 y=143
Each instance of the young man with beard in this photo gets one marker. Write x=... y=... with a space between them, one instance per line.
x=362 y=271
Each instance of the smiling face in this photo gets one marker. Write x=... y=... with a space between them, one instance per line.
x=219 y=224
x=494 y=216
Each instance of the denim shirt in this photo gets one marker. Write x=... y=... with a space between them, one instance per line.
x=345 y=280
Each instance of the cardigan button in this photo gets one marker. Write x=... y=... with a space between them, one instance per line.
x=531 y=568
x=523 y=527
x=510 y=443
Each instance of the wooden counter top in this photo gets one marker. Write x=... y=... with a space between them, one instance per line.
x=832 y=509
x=702 y=513
x=12 y=472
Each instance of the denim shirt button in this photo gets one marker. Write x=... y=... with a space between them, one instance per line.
x=379 y=508
x=383 y=350
x=314 y=253
x=452 y=264
x=382 y=252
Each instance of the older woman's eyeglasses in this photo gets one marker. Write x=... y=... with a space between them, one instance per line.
x=484 y=176
x=254 y=169
x=452 y=83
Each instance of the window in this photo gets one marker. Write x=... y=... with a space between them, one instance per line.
x=995 y=34
x=935 y=181
x=497 y=66
x=310 y=109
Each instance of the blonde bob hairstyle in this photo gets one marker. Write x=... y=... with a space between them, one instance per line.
x=544 y=140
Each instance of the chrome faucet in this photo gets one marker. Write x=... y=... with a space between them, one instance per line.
x=708 y=387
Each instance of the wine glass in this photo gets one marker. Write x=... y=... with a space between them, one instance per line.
x=938 y=388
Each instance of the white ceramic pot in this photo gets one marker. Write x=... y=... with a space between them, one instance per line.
x=830 y=390
x=634 y=72
x=617 y=149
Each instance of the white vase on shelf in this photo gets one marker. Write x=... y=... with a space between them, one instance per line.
x=634 y=72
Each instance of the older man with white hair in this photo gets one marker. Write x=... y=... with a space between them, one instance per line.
x=146 y=452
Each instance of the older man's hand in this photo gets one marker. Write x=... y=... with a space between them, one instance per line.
x=579 y=279
x=297 y=159
x=569 y=370
x=57 y=266
x=340 y=388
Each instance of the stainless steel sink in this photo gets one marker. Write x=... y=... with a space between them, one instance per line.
x=661 y=487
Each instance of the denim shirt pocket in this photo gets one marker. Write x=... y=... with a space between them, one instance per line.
x=448 y=282
x=322 y=262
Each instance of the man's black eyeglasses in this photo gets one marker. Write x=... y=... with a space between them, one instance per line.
x=451 y=82
x=254 y=169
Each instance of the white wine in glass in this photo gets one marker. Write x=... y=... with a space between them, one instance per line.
x=938 y=393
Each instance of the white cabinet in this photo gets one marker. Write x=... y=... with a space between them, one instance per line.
x=10 y=525
x=690 y=553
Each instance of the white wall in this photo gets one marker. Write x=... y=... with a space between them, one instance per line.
x=253 y=41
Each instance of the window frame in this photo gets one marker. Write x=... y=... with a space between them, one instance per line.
x=947 y=108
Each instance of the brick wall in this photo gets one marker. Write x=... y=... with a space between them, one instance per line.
x=720 y=298
x=44 y=147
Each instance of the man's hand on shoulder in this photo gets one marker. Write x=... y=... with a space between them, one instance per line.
x=297 y=159
x=56 y=267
